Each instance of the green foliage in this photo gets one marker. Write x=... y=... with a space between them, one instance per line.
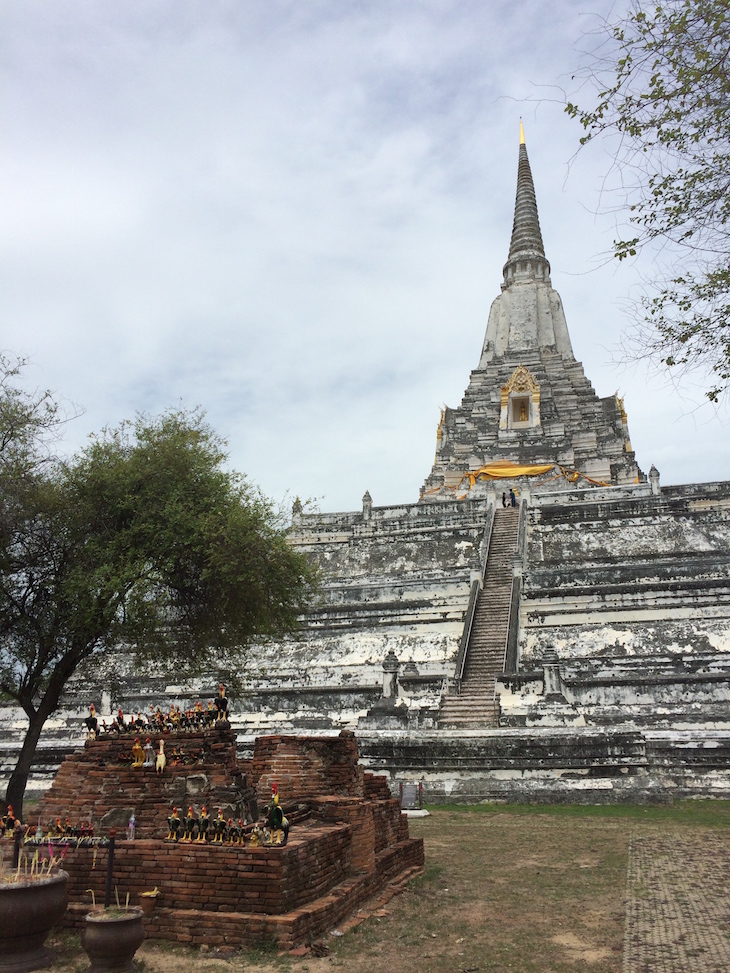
x=27 y=423
x=662 y=85
x=144 y=540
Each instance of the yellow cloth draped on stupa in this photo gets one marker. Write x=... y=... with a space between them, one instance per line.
x=504 y=470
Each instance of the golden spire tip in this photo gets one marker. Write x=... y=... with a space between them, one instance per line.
x=522 y=134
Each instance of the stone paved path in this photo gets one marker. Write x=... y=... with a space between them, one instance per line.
x=678 y=904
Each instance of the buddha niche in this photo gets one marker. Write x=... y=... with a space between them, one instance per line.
x=523 y=411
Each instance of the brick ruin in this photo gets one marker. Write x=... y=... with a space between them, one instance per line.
x=348 y=838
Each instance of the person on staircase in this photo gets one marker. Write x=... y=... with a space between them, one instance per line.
x=512 y=498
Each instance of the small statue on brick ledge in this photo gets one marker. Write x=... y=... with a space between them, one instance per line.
x=161 y=759
x=278 y=825
x=191 y=825
x=221 y=708
x=8 y=821
x=174 y=824
x=219 y=828
x=91 y=723
x=203 y=825
x=137 y=753
x=257 y=836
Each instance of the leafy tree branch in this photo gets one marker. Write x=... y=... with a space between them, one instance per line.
x=660 y=82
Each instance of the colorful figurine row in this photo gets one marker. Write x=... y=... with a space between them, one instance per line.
x=145 y=756
x=64 y=829
x=275 y=830
x=175 y=720
x=203 y=829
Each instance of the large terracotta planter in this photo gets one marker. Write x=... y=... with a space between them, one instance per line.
x=28 y=910
x=110 y=941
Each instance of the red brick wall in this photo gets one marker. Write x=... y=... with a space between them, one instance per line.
x=307 y=766
x=94 y=786
x=216 y=878
x=376 y=787
x=300 y=924
x=359 y=815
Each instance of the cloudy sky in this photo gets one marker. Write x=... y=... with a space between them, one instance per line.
x=294 y=213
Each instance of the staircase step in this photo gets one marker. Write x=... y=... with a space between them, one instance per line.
x=476 y=705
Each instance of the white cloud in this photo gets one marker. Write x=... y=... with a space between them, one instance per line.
x=295 y=214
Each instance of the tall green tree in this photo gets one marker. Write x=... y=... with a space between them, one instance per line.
x=144 y=540
x=661 y=83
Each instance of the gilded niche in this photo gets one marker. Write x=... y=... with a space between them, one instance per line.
x=520 y=401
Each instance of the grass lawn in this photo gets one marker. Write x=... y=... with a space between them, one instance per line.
x=532 y=889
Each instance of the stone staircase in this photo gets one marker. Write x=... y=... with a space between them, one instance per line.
x=476 y=705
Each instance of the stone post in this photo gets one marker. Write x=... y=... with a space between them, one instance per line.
x=367 y=506
x=296 y=511
x=654 y=480
x=552 y=680
x=390 y=675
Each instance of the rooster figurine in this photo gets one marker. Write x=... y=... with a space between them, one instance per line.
x=219 y=828
x=91 y=723
x=203 y=825
x=174 y=824
x=161 y=760
x=137 y=753
x=191 y=823
x=277 y=823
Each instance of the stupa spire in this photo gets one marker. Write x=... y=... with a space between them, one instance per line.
x=526 y=243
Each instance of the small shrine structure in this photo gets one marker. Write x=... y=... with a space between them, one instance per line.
x=348 y=839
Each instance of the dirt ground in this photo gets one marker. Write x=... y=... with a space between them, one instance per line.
x=502 y=890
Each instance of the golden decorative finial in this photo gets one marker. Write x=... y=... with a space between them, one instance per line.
x=522 y=133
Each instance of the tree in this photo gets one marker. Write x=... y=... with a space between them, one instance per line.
x=28 y=422
x=143 y=540
x=663 y=86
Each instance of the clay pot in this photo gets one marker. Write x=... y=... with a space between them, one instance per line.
x=110 y=940
x=147 y=902
x=28 y=910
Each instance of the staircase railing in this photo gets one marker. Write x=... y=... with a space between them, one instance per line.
x=513 y=623
x=486 y=540
x=473 y=598
x=513 y=627
x=466 y=634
